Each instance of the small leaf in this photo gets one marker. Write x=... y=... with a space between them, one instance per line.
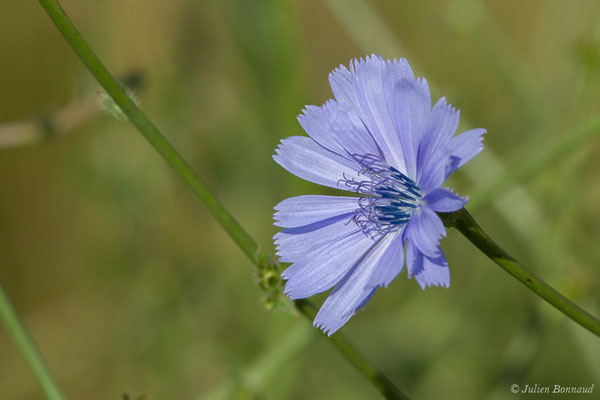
x=112 y=108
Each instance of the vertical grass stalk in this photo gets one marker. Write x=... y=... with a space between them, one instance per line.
x=17 y=331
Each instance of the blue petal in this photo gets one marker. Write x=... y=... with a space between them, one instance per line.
x=365 y=300
x=305 y=210
x=348 y=130
x=465 y=146
x=449 y=157
x=315 y=124
x=306 y=159
x=367 y=99
x=295 y=243
x=440 y=127
x=425 y=230
x=428 y=271
x=437 y=169
x=444 y=200
x=391 y=104
x=396 y=70
x=409 y=106
x=341 y=81
x=413 y=263
x=353 y=291
x=435 y=272
x=321 y=269
x=391 y=262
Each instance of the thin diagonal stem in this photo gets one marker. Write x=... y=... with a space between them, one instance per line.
x=28 y=349
x=183 y=169
x=465 y=224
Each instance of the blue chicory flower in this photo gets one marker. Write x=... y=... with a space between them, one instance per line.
x=380 y=139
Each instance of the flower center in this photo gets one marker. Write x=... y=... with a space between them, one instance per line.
x=387 y=197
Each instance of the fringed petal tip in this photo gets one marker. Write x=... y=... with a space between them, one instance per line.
x=425 y=284
x=427 y=271
x=329 y=324
x=328 y=330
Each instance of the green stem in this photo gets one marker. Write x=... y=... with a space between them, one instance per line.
x=183 y=169
x=27 y=347
x=464 y=222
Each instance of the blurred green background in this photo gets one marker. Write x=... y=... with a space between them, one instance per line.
x=129 y=286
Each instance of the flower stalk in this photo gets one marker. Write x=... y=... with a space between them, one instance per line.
x=465 y=224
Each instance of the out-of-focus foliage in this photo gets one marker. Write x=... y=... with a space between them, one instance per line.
x=129 y=286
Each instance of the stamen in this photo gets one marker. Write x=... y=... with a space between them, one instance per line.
x=387 y=197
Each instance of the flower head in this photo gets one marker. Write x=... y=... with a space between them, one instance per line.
x=382 y=141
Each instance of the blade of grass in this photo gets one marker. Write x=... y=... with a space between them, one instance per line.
x=28 y=349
